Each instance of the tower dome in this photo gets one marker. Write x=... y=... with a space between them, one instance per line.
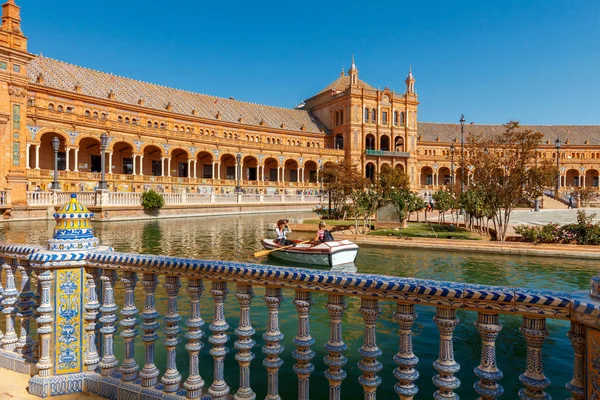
x=73 y=230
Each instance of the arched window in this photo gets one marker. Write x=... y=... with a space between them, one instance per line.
x=134 y=121
x=95 y=114
x=104 y=115
x=374 y=115
x=156 y=125
x=162 y=125
x=396 y=118
x=50 y=106
x=176 y=127
x=59 y=108
x=120 y=118
x=366 y=115
x=69 y=109
x=402 y=118
x=127 y=120
x=87 y=113
x=149 y=124
x=268 y=140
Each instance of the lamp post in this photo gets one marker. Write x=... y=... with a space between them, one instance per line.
x=557 y=145
x=321 y=185
x=462 y=158
x=452 y=168
x=103 y=145
x=238 y=159
x=536 y=202
x=55 y=145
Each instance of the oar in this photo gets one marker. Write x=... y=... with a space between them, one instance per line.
x=265 y=252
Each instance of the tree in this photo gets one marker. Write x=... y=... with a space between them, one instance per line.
x=339 y=181
x=444 y=201
x=406 y=203
x=506 y=174
x=364 y=204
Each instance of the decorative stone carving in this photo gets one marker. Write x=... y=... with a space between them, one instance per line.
x=92 y=358
x=25 y=311
x=17 y=91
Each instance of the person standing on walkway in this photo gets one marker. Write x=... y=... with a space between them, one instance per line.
x=570 y=201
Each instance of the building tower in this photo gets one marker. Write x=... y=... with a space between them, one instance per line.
x=13 y=96
x=353 y=73
x=410 y=82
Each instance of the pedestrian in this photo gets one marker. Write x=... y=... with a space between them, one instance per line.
x=570 y=201
x=430 y=202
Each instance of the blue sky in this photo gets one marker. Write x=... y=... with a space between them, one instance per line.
x=536 y=61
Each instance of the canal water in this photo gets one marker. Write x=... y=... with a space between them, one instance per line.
x=236 y=238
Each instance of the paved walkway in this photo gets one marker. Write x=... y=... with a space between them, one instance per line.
x=13 y=386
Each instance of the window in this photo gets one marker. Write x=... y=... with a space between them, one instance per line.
x=156 y=125
x=207 y=171
x=51 y=107
x=366 y=115
x=120 y=118
x=384 y=117
x=95 y=115
x=230 y=173
x=149 y=124
x=128 y=166
x=69 y=109
x=342 y=117
x=104 y=115
x=62 y=161
x=396 y=118
x=87 y=113
x=127 y=121
x=374 y=115
x=156 y=168
x=162 y=125
x=59 y=108
x=134 y=121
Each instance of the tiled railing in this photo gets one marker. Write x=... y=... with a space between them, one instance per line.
x=4 y=197
x=67 y=360
x=91 y=199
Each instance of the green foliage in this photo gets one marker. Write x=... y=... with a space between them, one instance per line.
x=152 y=200
x=406 y=203
x=434 y=231
x=444 y=201
x=340 y=181
x=583 y=232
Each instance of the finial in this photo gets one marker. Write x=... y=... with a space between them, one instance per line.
x=410 y=74
x=342 y=73
x=353 y=65
x=73 y=195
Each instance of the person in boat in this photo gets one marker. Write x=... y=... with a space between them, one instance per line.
x=281 y=231
x=323 y=235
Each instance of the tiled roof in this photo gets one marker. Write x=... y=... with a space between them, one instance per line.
x=342 y=83
x=64 y=76
x=575 y=134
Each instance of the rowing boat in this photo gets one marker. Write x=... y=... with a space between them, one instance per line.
x=327 y=253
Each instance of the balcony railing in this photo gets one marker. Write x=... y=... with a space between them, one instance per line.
x=386 y=153
x=78 y=317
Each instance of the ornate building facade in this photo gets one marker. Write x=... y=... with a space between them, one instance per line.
x=173 y=140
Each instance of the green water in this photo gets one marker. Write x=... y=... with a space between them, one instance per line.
x=236 y=238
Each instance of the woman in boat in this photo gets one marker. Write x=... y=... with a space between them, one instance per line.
x=323 y=235
x=282 y=230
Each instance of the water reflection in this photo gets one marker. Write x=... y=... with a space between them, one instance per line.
x=237 y=238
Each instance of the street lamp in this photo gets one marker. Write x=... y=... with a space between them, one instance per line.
x=452 y=168
x=238 y=187
x=557 y=145
x=462 y=158
x=103 y=145
x=536 y=201
x=55 y=145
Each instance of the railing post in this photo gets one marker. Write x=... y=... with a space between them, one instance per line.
x=171 y=378
x=244 y=344
x=10 y=339
x=37 y=303
x=577 y=384
x=272 y=337
x=92 y=306
x=446 y=321
x=488 y=373
x=149 y=372
x=1 y=299
x=534 y=380
x=194 y=383
x=370 y=310
x=108 y=362
x=336 y=347
x=219 y=389
x=25 y=311
x=129 y=369
x=303 y=353
x=261 y=198
x=212 y=198
x=406 y=360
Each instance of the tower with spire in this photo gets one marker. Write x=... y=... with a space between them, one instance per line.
x=410 y=81
x=353 y=73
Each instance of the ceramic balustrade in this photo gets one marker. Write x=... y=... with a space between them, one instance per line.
x=4 y=198
x=79 y=318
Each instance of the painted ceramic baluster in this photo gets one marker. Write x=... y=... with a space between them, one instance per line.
x=37 y=302
x=488 y=373
x=25 y=304
x=406 y=360
x=534 y=380
x=336 y=347
x=577 y=384
x=244 y=344
x=194 y=383
x=2 y=299
x=219 y=389
x=92 y=358
x=369 y=351
x=108 y=363
x=9 y=341
x=445 y=365
x=272 y=337
x=45 y=322
x=129 y=369
x=171 y=377
x=149 y=373
x=303 y=353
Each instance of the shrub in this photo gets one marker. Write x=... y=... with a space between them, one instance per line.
x=152 y=200
x=584 y=231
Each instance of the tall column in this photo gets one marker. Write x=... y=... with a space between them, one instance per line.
x=283 y=174
x=194 y=383
x=171 y=377
x=244 y=344
x=273 y=337
x=534 y=380
x=162 y=166
x=92 y=358
x=446 y=321
x=142 y=165
x=219 y=170
x=37 y=156
x=45 y=324
x=336 y=347
x=488 y=373
x=109 y=362
x=110 y=164
x=67 y=154
x=27 y=155
x=213 y=171
x=369 y=351
x=278 y=174
x=189 y=171
x=134 y=158
x=169 y=167
x=149 y=372
x=303 y=353
x=219 y=389
x=129 y=369
x=236 y=171
x=195 y=169
x=406 y=360
x=76 y=160
x=25 y=310
x=577 y=384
